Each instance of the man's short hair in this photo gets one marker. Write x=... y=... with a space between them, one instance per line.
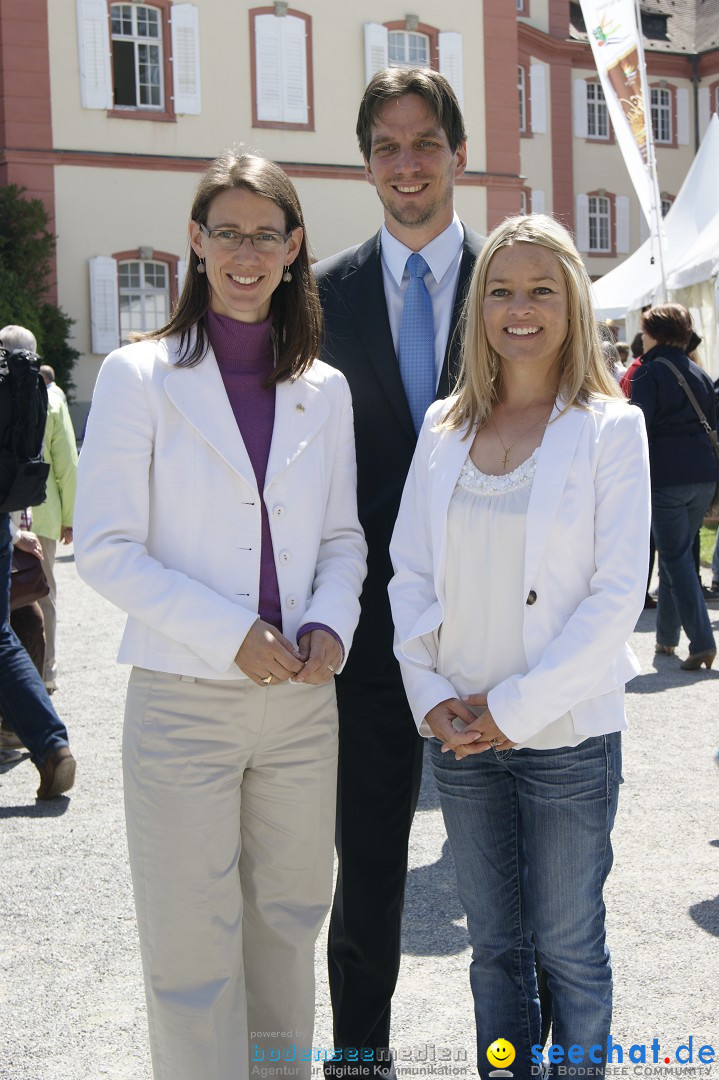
x=48 y=373
x=392 y=83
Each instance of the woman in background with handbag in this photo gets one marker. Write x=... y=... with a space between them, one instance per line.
x=684 y=472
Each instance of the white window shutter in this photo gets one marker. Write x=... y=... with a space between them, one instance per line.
x=705 y=109
x=376 y=49
x=581 y=222
x=537 y=201
x=293 y=37
x=185 y=26
x=621 y=206
x=450 y=62
x=580 y=108
x=181 y=272
x=683 y=116
x=93 y=34
x=538 y=84
x=104 y=304
x=268 y=68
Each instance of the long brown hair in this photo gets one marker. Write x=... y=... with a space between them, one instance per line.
x=582 y=371
x=295 y=305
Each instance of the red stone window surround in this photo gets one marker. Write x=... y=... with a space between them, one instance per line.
x=432 y=32
x=672 y=90
x=525 y=127
x=310 y=125
x=609 y=138
x=714 y=98
x=612 y=251
x=167 y=113
x=522 y=7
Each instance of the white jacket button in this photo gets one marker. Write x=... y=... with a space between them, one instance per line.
x=285 y=557
x=278 y=510
x=291 y=602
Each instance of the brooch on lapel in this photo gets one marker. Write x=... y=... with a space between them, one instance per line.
x=300 y=408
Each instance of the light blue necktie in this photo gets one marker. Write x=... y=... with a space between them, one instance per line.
x=416 y=342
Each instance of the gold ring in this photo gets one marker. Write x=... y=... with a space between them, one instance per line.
x=268 y=680
x=494 y=743
x=330 y=668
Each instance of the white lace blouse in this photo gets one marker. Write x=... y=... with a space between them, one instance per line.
x=480 y=640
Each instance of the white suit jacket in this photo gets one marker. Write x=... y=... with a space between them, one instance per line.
x=168 y=515
x=585 y=570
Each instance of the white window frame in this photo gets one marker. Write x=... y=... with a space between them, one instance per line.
x=522 y=92
x=597 y=112
x=599 y=224
x=408 y=39
x=662 y=119
x=139 y=42
x=143 y=294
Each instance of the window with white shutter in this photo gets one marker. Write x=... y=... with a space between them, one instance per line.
x=538 y=98
x=185 y=26
x=376 y=49
x=104 y=305
x=281 y=70
x=139 y=61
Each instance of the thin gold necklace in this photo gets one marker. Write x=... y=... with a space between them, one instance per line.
x=508 y=449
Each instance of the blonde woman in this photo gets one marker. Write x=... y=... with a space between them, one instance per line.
x=520 y=557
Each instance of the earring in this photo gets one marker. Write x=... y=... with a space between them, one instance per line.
x=201 y=266
x=287 y=276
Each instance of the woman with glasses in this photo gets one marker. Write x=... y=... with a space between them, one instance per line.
x=216 y=505
x=520 y=556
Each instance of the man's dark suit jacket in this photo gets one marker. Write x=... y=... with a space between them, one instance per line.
x=358 y=341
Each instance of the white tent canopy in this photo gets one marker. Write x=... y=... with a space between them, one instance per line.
x=692 y=248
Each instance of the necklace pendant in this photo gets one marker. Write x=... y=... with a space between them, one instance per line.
x=506 y=457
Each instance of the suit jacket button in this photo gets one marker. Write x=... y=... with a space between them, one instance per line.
x=531 y=597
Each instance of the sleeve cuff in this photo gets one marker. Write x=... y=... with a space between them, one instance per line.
x=307 y=628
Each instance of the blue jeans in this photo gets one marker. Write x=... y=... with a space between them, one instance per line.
x=24 y=701
x=677 y=514
x=530 y=835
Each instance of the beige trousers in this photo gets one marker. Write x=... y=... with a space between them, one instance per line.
x=230 y=802
x=48 y=606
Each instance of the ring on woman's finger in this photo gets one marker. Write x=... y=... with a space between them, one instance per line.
x=268 y=680
x=495 y=743
x=330 y=668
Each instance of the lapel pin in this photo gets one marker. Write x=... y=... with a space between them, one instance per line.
x=300 y=408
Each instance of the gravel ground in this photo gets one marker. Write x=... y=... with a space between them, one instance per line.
x=71 y=996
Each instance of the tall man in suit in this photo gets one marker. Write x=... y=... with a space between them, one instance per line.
x=412 y=138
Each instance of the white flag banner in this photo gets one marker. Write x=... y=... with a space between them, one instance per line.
x=619 y=57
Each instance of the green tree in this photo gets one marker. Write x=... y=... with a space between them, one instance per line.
x=26 y=250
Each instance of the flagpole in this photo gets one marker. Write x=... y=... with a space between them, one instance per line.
x=656 y=226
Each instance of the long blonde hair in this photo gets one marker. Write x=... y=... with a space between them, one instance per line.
x=582 y=371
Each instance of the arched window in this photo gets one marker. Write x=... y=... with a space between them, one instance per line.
x=144 y=289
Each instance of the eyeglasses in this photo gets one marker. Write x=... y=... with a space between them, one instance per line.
x=266 y=241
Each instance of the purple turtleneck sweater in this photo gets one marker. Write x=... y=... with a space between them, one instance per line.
x=245 y=357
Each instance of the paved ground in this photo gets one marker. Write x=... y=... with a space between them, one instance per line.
x=71 y=1002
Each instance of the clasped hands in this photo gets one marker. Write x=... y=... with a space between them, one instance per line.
x=267 y=657
x=480 y=733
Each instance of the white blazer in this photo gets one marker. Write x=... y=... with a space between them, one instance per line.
x=168 y=516
x=585 y=570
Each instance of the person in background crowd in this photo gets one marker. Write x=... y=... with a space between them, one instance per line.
x=24 y=702
x=684 y=476
x=52 y=519
x=217 y=506
x=515 y=663
x=391 y=307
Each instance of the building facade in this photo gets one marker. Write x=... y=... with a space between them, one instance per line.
x=110 y=111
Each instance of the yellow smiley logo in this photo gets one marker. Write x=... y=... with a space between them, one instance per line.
x=500 y=1053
